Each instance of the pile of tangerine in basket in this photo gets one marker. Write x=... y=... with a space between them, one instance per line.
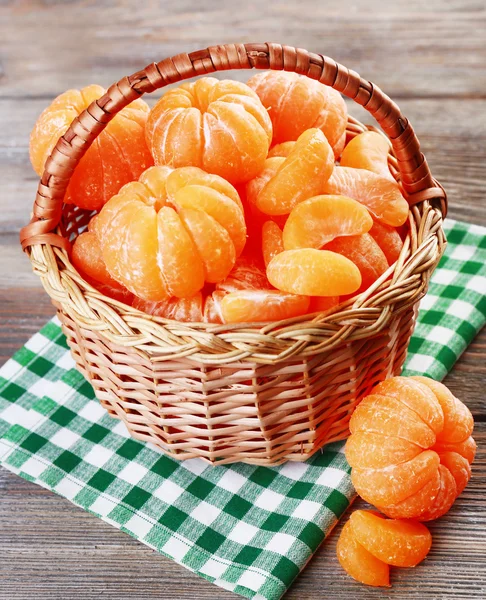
x=230 y=202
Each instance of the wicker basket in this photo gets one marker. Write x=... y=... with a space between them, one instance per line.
x=246 y=392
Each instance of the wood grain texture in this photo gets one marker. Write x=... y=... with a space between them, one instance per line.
x=430 y=57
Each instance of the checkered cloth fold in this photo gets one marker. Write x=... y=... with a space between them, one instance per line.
x=248 y=529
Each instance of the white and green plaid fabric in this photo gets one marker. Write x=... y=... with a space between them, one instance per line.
x=247 y=529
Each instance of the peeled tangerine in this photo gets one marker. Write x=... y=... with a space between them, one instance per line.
x=219 y=126
x=286 y=181
x=178 y=309
x=119 y=154
x=262 y=305
x=171 y=231
x=381 y=196
x=410 y=448
x=369 y=544
x=296 y=103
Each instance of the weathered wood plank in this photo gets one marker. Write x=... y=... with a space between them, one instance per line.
x=51 y=549
x=404 y=46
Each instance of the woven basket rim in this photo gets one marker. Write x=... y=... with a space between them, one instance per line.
x=164 y=339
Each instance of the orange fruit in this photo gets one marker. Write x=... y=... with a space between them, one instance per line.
x=171 y=231
x=365 y=254
x=388 y=239
x=262 y=305
x=368 y=150
x=219 y=126
x=317 y=221
x=284 y=182
x=410 y=448
x=296 y=103
x=380 y=195
x=118 y=154
x=358 y=562
x=245 y=275
x=272 y=242
x=178 y=309
x=282 y=150
x=311 y=272
x=401 y=543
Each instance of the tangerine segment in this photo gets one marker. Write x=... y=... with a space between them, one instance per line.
x=396 y=542
x=272 y=241
x=394 y=483
x=458 y=421
x=358 y=562
x=417 y=397
x=180 y=178
x=323 y=303
x=296 y=103
x=223 y=210
x=299 y=176
x=178 y=309
x=365 y=253
x=220 y=126
x=368 y=150
x=317 y=221
x=212 y=307
x=86 y=257
x=339 y=147
x=390 y=417
x=445 y=497
x=388 y=239
x=212 y=241
x=283 y=149
x=245 y=275
x=117 y=156
x=466 y=448
x=416 y=504
x=368 y=450
x=262 y=305
x=381 y=196
x=310 y=272
x=178 y=258
x=459 y=468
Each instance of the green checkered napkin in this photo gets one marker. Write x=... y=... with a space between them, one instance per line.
x=248 y=529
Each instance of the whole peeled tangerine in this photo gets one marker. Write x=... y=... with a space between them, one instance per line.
x=411 y=448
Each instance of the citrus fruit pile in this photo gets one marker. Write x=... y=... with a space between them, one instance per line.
x=410 y=451
x=230 y=202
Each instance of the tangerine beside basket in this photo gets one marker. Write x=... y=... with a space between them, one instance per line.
x=227 y=393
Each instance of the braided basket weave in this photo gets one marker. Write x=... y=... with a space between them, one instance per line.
x=256 y=393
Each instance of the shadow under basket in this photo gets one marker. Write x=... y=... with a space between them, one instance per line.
x=257 y=393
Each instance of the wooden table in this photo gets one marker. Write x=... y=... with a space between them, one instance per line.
x=429 y=56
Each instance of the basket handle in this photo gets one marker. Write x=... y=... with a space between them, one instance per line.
x=417 y=181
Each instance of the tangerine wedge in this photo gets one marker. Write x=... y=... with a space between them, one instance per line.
x=459 y=468
x=245 y=275
x=388 y=239
x=381 y=196
x=282 y=150
x=400 y=543
x=296 y=103
x=86 y=257
x=272 y=241
x=445 y=497
x=467 y=448
x=212 y=307
x=262 y=305
x=117 y=156
x=220 y=126
x=317 y=221
x=311 y=272
x=394 y=483
x=288 y=181
x=368 y=150
x=458 y=421
x=368 y=450
x=416 y=504
x=358 y=562
x=365 y=254
x=178 y=309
